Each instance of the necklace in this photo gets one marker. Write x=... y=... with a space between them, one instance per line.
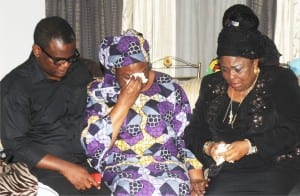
x=231 y=117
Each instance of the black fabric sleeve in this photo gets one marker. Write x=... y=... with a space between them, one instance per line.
x=15 y=125
x=284 y=136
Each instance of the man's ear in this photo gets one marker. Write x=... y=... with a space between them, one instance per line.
x=36 y=50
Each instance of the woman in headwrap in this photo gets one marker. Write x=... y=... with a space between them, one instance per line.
x=135 y=123
x=245 y=127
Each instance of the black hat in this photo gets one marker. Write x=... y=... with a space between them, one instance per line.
x=240 y=16
x=240 y=42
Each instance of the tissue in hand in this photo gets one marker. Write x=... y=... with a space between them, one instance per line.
x=142 y=76
x=221 y=148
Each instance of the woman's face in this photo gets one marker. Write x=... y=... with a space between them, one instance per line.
x=125 y=73
x=238 y=72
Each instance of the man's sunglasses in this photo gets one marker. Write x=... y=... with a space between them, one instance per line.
x=60 y=61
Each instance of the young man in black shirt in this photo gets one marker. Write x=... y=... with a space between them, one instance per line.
x=42 y=109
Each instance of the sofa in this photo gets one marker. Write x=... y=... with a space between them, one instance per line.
x=191 y=88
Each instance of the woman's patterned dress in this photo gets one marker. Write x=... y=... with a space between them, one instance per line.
x=149 y=156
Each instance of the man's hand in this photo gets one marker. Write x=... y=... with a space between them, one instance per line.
x=80 y=177
x=198 y=182
x=76 y=174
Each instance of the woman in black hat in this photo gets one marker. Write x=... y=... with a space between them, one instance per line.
x=245 y=128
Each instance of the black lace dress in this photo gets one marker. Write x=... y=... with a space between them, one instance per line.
x=269 y=117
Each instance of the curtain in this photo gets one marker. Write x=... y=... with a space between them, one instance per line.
x=91 y=20
x=184 y=29
x=155 y=20
x=287 y=31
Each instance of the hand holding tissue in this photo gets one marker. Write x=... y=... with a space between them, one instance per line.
x=140 y=75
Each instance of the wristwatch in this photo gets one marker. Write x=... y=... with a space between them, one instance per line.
x=252 y=149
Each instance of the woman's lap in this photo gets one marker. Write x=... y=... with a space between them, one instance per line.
x=157 y=179
x=263 y=182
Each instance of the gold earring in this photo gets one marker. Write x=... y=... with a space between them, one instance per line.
x=256 y=70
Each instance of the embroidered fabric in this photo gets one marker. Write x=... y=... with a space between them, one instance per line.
x=290 y=155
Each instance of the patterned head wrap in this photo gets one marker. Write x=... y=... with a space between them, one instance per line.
x=240 y=42
x=122 y=50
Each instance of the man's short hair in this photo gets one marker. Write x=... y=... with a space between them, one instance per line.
x=53 y=27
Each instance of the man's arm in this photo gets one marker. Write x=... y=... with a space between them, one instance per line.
x=76 y=174
x=15 y=126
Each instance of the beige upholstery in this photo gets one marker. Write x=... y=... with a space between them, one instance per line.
x=191 y=88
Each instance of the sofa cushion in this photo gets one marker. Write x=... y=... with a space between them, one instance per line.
x=191 y=88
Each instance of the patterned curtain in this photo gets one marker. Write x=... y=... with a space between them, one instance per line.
x=91 y=20
x=266 y=12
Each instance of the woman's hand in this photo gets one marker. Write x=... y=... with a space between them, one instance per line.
x=212 y=150
x=198 y=182
x=126 y=99
x=235 y=151
x=130 y=92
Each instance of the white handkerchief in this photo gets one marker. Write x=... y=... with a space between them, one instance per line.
x=221 y=148
x=142 y=76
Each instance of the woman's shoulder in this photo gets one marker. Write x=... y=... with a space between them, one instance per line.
x=212 y=86
x=213 y=80
x=214 y=77
x=96 y=83
x=277 y=74
x=103 y=85
x=276 y=70
x=165 y=80
x=161 y=77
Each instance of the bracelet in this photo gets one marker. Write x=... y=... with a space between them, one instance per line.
x=252 y=149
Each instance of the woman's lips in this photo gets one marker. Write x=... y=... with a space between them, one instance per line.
x=235 y=85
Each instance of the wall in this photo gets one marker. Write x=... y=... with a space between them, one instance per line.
x=17 y=21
